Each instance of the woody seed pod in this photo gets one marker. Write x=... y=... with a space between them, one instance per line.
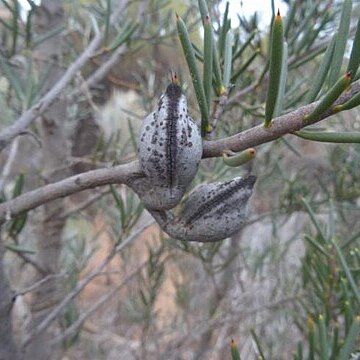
x=170 y=149
x=217 y=210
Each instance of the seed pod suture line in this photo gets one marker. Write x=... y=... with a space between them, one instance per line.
x=212 y=212
x=169 y=149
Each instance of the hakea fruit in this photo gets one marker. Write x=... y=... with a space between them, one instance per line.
x=170 y=150
x=212 y=212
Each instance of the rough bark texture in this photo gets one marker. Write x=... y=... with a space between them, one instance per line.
x=49 y=15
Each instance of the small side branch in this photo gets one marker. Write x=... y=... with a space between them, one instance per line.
x=285 y=124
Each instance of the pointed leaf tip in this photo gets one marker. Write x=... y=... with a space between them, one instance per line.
x=278 y=13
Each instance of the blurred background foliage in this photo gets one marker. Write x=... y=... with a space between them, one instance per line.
x=286 y=286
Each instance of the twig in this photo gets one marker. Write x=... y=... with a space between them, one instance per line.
x=9 y=133
x=257 y=135
x=9 y=162
x=285 y=124
x=84 y=204
x=80 y=286
x=93 y=308
x=102 y=71
x=37 y=284
x=28 y=260
x=91 y=179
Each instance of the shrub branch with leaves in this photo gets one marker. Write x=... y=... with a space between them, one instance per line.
x=240 y=108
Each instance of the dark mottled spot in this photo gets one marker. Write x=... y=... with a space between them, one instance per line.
x=147 y=128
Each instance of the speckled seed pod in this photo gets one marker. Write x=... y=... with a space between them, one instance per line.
x=215 y=211
x=170 y=149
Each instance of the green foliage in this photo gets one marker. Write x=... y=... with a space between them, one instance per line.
x=232 y=70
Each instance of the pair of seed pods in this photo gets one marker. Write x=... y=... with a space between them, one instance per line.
x=170 y=150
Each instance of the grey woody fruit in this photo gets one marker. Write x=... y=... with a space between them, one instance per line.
x=217 y=210
x=169 y=149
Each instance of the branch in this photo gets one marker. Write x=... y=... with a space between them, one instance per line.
x=120 y=174
x=81 y=285
x=125 y=173
x=285 y=124
x=24 y=121
x=79 y=322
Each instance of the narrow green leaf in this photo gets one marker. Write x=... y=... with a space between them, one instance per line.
x=304 y=59
x=350 y=340
x=315 y=34
x=143 y=297
x=347 y=271
x=19 y=185
x=17 y=224
x=320 y=77
x=348 y=310
x=120 y=205
x=12 y=77
x=204 y=10
x=28 y=29
x=257 y=342
x=353 y=102
x=283 y=77
x=228 y=58
x=273 y=8
x=132 y=134
x=331 y=137
x=305 y=23
x=341 y=40
x=245 y=65
x=313 y=219
x=15 y=20
x=198 y=53
x=122 y=37
x=354 y=60
x=30 y=86
x=219 y=88
x=195 y=76
x=335 y=342
x=310 y=324
x=316 y=245
x=290 y=18
x=107 y=21
x=208 y=60
x=48 y=35
x=328 y=99
x=223 y=31
x=324 y=350
x=276 y=55
x=244 y=46
x=235 y=355
x=240 y=158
